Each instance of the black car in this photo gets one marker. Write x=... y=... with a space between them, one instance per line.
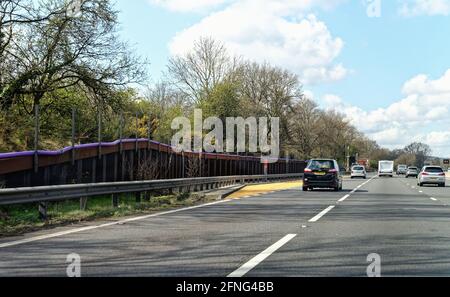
x=322 y=173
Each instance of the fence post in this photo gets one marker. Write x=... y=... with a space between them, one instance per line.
x=266 y=169
x=182 y=164
x=287 y=163
x=137 y=132
x=36 y=138
x=73 y=136
x=99 y=133
x=120 y=132
x=149 y=132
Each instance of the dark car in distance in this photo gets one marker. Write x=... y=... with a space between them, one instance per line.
x=322 y=173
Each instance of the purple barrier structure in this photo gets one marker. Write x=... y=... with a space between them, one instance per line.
x=127 y=160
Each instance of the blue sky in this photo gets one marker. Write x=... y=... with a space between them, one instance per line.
x=387 y=74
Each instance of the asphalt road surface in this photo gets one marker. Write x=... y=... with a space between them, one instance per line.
x=287 y=233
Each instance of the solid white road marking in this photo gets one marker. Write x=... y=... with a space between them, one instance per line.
x=434 y=199
x=244 y=269
x=324 y=212
x=78 y=230
x=343 y=198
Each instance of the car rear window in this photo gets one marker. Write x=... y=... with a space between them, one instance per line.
x=358 y=168
x=321 y=165
x=434 y=169
x=412 y=168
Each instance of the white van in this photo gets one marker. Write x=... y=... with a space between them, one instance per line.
x=386 y=168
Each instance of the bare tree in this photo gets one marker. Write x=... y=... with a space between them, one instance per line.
x=421 y=151
x=197 y=72
x=61 y=51
x=270 y=92
x=304 y=123
x=164 y=95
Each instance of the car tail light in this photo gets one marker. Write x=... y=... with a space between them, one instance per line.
x=332 y=171
x=442 y=174
x=425 y=173
x=308 y=170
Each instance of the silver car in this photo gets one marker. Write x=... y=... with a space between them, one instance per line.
x=401 y=169
x=433 y=175
x=358 y=171
x=412 y=171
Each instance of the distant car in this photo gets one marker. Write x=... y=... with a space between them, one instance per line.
x=401 y=169
x=412 y=171
x=358 y=171
x=433 y=175
x=322 y=173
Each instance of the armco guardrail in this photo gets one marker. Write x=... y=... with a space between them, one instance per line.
x=75 y=191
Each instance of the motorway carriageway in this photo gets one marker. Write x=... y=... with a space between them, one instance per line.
x=282 y=233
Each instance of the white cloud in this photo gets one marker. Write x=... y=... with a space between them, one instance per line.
x=282 y=33
x=425 y=7
x=423 y=115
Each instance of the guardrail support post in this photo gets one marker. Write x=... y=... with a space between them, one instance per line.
x=43 y=211
x=115 y=200
x=138 y=197
x=147 y=196
x=83 y=203
x=83 y=200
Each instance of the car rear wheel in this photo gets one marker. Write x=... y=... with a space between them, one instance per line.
x=305 y=189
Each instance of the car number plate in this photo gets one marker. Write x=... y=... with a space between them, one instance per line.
x=320 y=173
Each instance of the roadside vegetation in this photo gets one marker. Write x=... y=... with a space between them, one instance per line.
x=18 y=219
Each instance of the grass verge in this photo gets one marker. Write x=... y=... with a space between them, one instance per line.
x=19 y=219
